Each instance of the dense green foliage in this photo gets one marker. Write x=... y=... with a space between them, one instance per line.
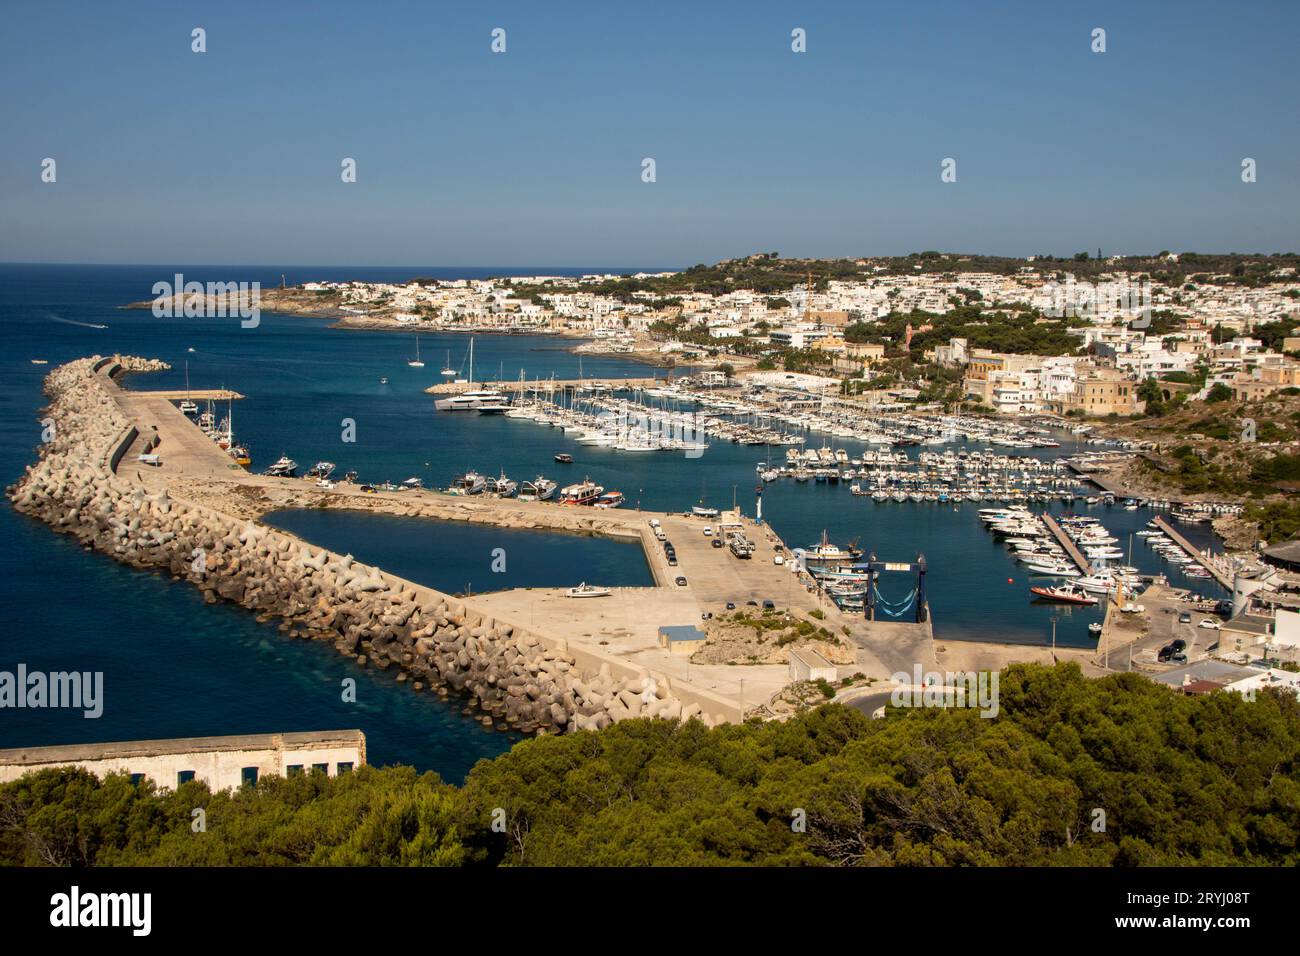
x=1023 y=332
x=769 y=274
x=1278 y=520
x=1182 y=780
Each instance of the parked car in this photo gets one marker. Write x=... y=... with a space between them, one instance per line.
x=777 y=559
x=1165 y=653
x=1179 y=658
x=769 y=606
x=681 y=581
x=1177 y=644
x=708 y=531
x=1209 y=623
x=717 y=542
x=1185 y=617
x=731 y=605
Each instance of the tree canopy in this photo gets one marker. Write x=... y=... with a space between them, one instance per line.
x=1178 y=780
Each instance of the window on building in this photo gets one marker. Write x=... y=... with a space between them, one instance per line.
x=322 y=767
x=248 y=775
x=294 y=769
x=184 y=776
x=137 y=779
x=345 y=766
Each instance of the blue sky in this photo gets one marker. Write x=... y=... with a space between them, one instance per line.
x=534 y=156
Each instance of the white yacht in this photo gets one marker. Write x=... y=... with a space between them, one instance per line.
x=284 y=468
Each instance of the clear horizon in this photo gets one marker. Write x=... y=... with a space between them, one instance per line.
x=232 y=156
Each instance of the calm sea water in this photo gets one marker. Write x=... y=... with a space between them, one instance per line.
x=174 y=667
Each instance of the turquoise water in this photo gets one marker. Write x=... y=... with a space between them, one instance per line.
x=174 y=667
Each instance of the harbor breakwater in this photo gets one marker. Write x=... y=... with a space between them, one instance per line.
x=518 y=679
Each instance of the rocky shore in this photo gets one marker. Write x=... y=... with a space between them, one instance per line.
x=432 y=641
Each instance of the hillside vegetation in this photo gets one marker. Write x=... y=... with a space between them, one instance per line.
x=1180 y=780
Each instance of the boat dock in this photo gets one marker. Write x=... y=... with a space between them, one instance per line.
x=1065 y=542
x=1204 y=560
x=191 y=467
x=196 y=394
x=548 y=386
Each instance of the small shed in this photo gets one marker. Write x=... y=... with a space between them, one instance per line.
x=681 y=638
x=807 y=664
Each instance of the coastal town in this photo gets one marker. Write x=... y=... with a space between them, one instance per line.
x=1117 y=326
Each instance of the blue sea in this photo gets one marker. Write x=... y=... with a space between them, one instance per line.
x=175 y=667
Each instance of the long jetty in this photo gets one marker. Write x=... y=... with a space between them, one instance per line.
x=548 y=385
x=1070 y=547
x=1204 y=560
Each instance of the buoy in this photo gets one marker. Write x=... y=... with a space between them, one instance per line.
x=1009 y=581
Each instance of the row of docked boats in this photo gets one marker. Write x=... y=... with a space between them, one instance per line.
x=1033 y=545
x=222 y=433
x=541 y=488
x=1172 y=552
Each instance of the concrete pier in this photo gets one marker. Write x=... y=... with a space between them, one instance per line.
x=1220 y=575
x=1065 y=542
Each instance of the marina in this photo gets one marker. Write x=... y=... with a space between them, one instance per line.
x=433 y=448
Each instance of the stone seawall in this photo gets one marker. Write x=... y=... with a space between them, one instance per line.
x=519 y=679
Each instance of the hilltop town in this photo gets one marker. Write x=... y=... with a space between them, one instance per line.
x=1074 y=337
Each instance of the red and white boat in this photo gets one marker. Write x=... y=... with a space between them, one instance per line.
x=1064 y=594
x=583 y=493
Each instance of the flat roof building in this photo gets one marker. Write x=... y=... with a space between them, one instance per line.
x=681 y=638
x=220 y=762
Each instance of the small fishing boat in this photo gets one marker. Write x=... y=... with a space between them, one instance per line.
x=564 y=458
x=539 y=489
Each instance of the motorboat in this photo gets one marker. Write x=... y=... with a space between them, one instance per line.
x=1065 y=594
x=322 y=469
x=585 y=590
x=610 y=499
x=583 y=493
x=564 y=458
x=283 y=468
